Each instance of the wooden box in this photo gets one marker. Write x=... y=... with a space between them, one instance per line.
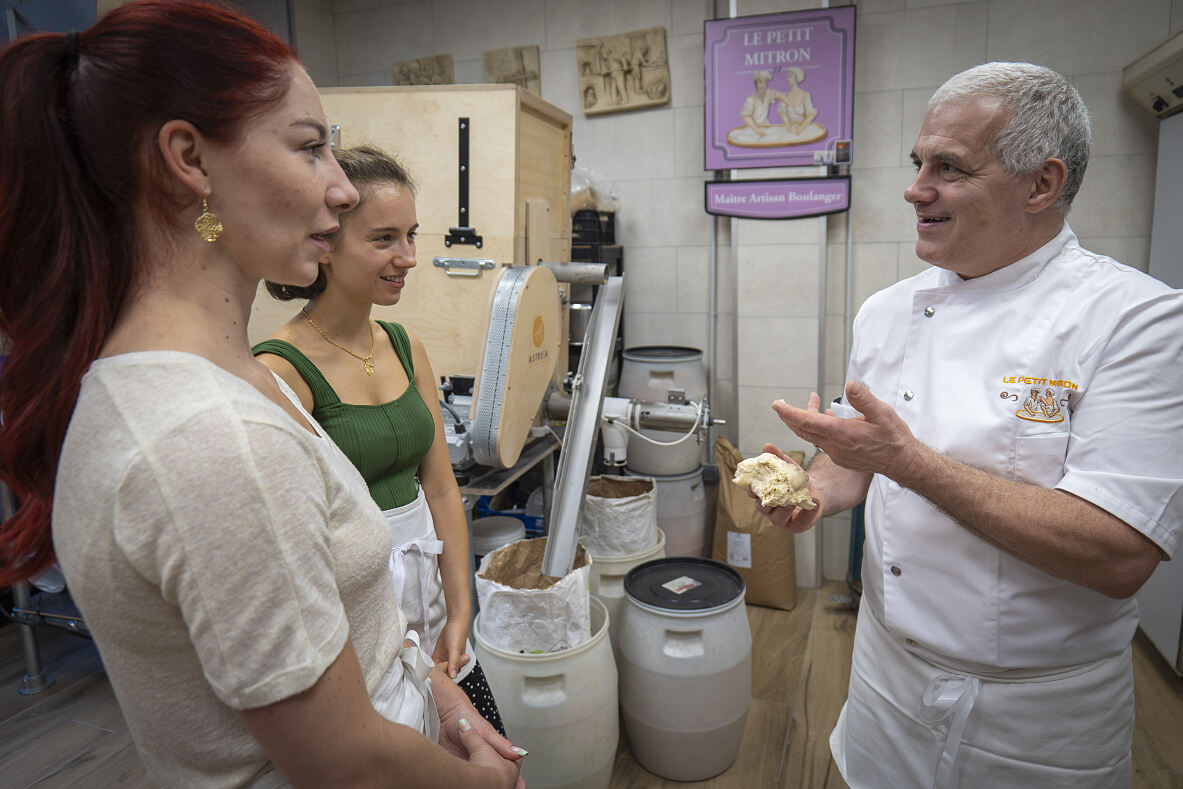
x=519 y=183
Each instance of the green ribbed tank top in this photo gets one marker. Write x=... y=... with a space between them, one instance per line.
x=386 y=442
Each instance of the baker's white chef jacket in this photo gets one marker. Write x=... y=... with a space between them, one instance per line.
x=1064 y=369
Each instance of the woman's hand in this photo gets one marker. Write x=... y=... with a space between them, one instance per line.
x=506 y=773
x=452 y=705
x=449 y=647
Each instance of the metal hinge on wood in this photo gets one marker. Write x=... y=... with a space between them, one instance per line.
x=465 y=233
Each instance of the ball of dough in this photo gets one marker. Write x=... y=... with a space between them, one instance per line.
x=777 y=482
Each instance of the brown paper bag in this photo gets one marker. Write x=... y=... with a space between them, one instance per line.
x=757 y=549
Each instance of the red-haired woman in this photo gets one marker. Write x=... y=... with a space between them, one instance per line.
x=226 y=556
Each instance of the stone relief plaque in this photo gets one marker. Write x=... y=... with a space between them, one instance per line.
x=516 y=65
x=623 y=72
x=435 y=70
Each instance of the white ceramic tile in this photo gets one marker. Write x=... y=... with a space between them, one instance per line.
x=777 y=351
x=878 y=6
x=686 y=69
x=725 y=269
x=567 y=21
x=560 y=83
x=469 y=72
x=878 y=123
x=271 y=14
x=1176 y=16
x=323 y=79
x=759 y=424
x=910 y=265
x=778 y=280
x=325 y=6
x=466 y=28
x=627 y=145
x=915 y=107
x=1131 y=250
x=836 y=277
x=693 y=279
x=1117 y=198
x=1120 y=125
x=687 y=16
x=315 y=44
x=835 y=533
x=651 y=280
x=660 y=212
x=905 y=49
x=875 y=268
x=687 y=143
x=351 y=6
x=835 y=372
x=725 y=347
x=375 y=39
x=368 y=79
x=753 y=7
x=806 y=550
x=1076 y=36
x=878 y=209
x=777 y=231
x=664 y=328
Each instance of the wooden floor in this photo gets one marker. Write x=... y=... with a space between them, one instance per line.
x=73 y=735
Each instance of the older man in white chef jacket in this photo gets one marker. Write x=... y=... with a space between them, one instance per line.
x=1013 y=419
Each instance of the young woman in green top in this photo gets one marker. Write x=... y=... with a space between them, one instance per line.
x=370 y=386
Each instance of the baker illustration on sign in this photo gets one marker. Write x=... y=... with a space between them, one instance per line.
x=794 y=107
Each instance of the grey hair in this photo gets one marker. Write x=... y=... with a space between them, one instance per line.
x=1049 y=119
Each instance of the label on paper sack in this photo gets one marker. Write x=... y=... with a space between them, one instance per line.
x=739 y=549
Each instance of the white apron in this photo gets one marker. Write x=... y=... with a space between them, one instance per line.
x=909 y=722
x=404 y=695
x=415 y=568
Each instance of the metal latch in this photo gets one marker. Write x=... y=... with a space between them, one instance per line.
x=464 y=232
x=463 y=267
x=676 y=395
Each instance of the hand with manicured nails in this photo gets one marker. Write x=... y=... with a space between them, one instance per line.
x=477 y=741
x=480 y=753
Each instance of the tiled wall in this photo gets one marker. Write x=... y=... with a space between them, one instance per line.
x=652 y=160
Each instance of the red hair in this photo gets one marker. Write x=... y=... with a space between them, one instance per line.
x=79 y=116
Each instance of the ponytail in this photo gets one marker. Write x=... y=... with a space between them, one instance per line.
x=78 y=118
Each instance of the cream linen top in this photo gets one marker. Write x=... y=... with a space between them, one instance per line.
x=221 y=555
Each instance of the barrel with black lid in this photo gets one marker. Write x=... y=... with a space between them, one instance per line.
x=685 y=664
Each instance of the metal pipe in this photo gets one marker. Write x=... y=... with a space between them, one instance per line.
x=641 y=414
x=35 y=679
x=579 y=273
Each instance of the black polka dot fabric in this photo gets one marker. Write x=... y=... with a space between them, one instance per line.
x=476 y=687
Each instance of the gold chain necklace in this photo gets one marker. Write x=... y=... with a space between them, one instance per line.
x=367 y=360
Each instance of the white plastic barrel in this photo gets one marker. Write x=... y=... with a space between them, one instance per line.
x=648 y=373
x=685 y=666
x=560 y=706
x=493 y=532
x=607 y=581
x=681 y=511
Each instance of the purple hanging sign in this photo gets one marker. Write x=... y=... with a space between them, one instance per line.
x=779 y=87
x=791 y=198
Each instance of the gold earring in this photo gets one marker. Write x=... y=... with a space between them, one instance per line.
x=209 y=227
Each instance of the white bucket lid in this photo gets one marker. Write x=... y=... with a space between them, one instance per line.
x=495 y=531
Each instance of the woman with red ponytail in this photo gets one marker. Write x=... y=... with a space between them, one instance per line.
x=226 y=556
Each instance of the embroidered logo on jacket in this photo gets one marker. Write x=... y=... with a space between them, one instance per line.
x=1041 y=403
